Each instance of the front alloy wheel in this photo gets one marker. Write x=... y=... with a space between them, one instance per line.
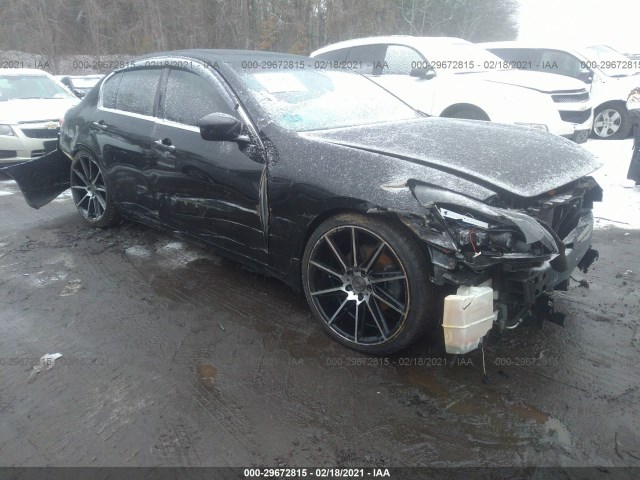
x=366 y=281
x=89 y=192
x=611 y=123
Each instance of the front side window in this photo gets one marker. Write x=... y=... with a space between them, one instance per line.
x=189 y=97
x=561 y=63
x=400 y=60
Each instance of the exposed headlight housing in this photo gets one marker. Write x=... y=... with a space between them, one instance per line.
x=475 y=234
x=6 y=130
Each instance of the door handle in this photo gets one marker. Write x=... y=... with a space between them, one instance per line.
x=165 y=145
x=99 y=125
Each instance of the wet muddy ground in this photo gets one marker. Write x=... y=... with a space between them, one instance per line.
x=173 y=356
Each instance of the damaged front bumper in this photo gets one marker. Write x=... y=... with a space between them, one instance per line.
x=515 y=257
x=516 y=286
x=43 y=179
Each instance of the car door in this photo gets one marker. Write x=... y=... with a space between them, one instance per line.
x=122 y=128
x=209 y=189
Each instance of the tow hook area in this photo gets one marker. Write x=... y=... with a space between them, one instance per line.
x=588 y=259
x=544 y=309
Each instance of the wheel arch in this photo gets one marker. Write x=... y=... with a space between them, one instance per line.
x=393 y=217
x=458 y=107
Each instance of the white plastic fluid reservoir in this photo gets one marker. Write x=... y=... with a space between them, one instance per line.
x=468 y=316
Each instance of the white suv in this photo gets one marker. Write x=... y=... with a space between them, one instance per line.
x=609 y=75
x=450 y=77
x=32 y=102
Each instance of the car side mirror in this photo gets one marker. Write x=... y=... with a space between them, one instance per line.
x=220 y=127
x=423 y=73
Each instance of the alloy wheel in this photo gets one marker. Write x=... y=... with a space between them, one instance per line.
x=88 y=188
x=358 y=285
x=607 y=123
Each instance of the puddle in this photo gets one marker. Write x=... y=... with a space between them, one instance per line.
x=207 y=374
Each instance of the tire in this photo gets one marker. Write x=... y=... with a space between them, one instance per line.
x=468 y=114
x=382 y=302
x=90 y=192
x=611 y=121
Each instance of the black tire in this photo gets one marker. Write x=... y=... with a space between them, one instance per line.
x=611 y=121
x=468 y=113
x=378 y=313
x=90 y=192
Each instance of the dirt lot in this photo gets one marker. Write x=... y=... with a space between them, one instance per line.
x=173 y=356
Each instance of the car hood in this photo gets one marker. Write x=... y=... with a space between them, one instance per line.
x=539 y=81
x=517 y=160
x=35 y=109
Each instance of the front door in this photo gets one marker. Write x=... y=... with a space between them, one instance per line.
x=208 y=189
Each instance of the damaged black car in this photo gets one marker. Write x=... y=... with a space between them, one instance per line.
x=394 y=225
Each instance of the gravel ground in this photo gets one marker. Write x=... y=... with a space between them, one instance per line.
x=173 y=356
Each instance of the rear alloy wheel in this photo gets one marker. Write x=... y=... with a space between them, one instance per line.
x=366 y=280
x=89 y=192
x=611 y=123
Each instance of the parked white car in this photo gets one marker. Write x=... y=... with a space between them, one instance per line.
x=32 y=102
x=450 y=77
x=609 y=75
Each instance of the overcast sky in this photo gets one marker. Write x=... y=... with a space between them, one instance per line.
x=612 y=22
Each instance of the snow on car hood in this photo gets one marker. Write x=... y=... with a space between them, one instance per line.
x=35 y=109
x=518 y=160
x=540 y=81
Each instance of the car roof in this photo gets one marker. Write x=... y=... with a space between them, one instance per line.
x=408 y=40
x=225 y=55
x=533 y=45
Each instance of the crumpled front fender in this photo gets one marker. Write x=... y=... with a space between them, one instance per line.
x=43 y=179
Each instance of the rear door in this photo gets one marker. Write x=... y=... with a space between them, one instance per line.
x=208 y=189
x=122 y=128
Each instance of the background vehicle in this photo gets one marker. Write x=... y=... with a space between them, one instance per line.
x=609 y=75
x=80 y=85
x=450 y=77
x=324 y=180
x=32 y=102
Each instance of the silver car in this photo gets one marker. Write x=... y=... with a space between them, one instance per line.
x=32 y=102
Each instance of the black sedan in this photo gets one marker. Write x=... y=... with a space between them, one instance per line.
x=393 y=224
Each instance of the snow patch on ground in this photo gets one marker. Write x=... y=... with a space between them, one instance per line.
x=138 y=251
x=620 y=206
x=176 y=254
x=63 y=197
x=4 y=193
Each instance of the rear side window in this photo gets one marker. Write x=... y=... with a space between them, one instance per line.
x=110 y=90
x=334 y=55
x=137 y=91
x=189 y=97
x=521 y=58
x=369 y=59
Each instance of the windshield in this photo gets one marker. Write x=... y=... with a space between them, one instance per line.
x=82 y=82
x=305 y=100
x=460 y=57
x=610 y=61
x=19 y=87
